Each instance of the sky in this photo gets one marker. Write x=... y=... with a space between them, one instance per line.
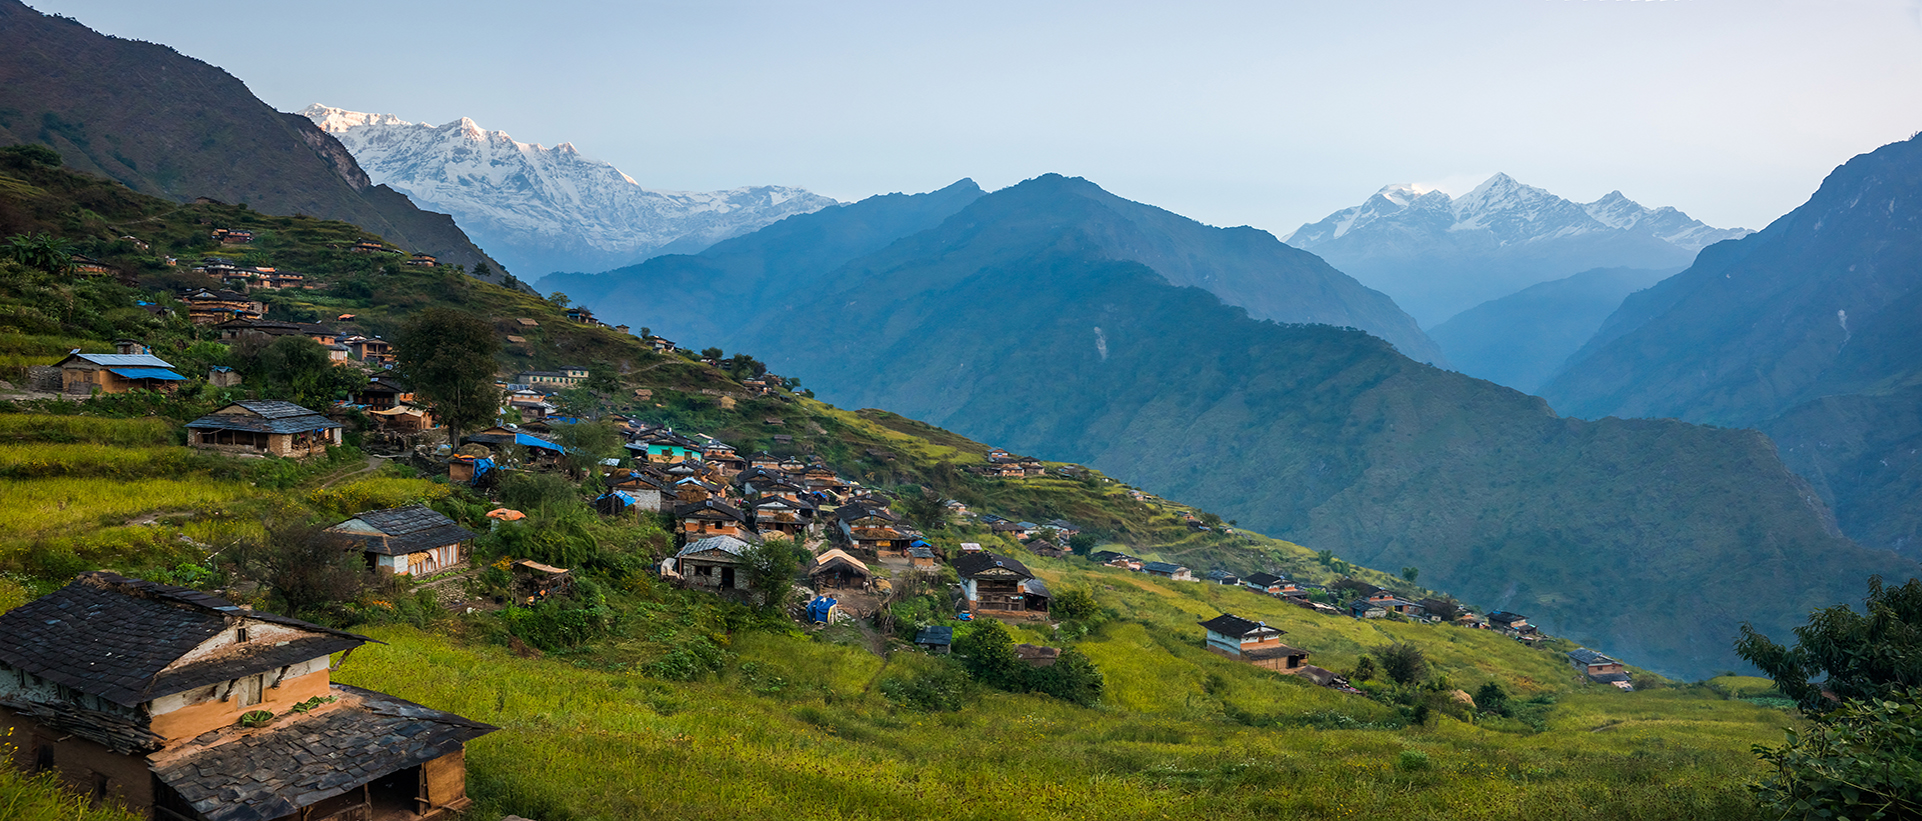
x=1271 y=113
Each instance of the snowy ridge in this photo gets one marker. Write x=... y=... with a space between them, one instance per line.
x=1512 y=212
x=541 y=209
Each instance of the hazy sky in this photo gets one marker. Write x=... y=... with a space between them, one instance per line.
x=1265 y=113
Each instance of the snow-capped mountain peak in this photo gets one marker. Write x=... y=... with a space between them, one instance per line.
x=540 y=209
x=1437 y=255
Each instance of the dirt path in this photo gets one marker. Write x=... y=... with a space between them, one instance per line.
x=373 y=464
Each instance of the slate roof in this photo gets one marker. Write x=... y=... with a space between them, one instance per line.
x=1262 y=580
x=265 y=416
x=1505 y=617
x=1163 y=567
x=410 y=529
x=708 y=509
x=1272 y=651
x=1585 y=656
x=726 y=544
x=973 y=564
x=935 y=635
x=1036 y=587
x=111 y=636
x=1234 y=626
x=253 y=775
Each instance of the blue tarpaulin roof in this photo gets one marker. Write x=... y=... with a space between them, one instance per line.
x=536 y=442
x=147 y=373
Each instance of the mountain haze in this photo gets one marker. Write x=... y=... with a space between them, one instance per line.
x=171 y=126
x=548 y=209
x=1806 y=330
x=1522 y=339
x=1014 y=321
x=1439 y=255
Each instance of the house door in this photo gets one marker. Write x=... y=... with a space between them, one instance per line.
x=727 y=578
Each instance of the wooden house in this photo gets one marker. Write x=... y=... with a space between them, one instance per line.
x=1035 y=655
x=871 y=528
x=837 y=569
x=992 y=583
x=780 y=514
x=660 y=344
x=423 y=261
x=1599 y=668
x=86 y=373
x=182 y=706
x=1253 y=642
x=372 y=350
x=713 y=562
x=383 y=392
x=264 y=427
x=210 y=307
x=1365 y=609
x=646 y=492
x=764 y=461
x=923 y=559
x=935 y=639
x=1395 y=604
x=666 y=446
x=710 y=518
x=369 y=247
x=407 y=541
x=1510 y=624
x=1264 y=583
x=1168 y=570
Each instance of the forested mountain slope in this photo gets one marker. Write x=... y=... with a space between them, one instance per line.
x=1012 y=323
x=172 y=126
x=1806 y=330
x=1522 y=339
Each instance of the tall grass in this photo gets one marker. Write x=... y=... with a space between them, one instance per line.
x=42 y=460
x=39 y=427
x=44 y=798
x=69 y=506
x=376 y=493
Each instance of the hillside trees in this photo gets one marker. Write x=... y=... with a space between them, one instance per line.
x=448 y=356
x=294 y=368
x=986 y=651
x=1863 y=757
x=770 y=568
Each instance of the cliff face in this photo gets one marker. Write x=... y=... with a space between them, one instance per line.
x=171 y=126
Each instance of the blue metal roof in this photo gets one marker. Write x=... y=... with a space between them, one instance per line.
x=147 y=373
x=537 y=442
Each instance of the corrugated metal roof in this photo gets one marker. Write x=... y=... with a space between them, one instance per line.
x=137 y=360
x=147 y=373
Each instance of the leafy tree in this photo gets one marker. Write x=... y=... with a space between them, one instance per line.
x=482 y=270
x=712 y=353
x=559 y=300
x=1863 y=656
x=1491 y=698
x=1364 y=669
x=448 y=356
x=1081 y=543
x=987 y=651
x=1211 y=519
x=44 y=252
x=1072 y=677
x=30 y=154
x=924 y=509
x=294 y=368
x=587 y=443
x=770 y=568
x=1075 y=603
x=1402 y=662
x=1862 y=760
x=533 y=492
x=743 y=366
x=944 y=688
x=1410 y=574
x=305 y=569
x=1326 y=557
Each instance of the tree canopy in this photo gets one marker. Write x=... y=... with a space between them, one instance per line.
x=1869 y=655
x=448 y=357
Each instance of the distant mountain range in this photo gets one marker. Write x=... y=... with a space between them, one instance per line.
x=171 y=126
x=1439 y=255
x=1807 y=330
x=1051 y=317
x=542 y=210
x=1522 y=339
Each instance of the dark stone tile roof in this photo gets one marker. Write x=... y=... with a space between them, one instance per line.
x=1263 y=580
x=1272 y=651
x=935 y=635
x=265 y=417
x=709 y=509
x=409 y=529
x=1234 y=626
x=249 y=661
x=1162 y=567
x=972 y=564
x=253 y=775
x=111 y=636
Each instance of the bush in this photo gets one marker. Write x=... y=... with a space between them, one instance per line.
x=1075 y=603
x=692 y=658
x=944 y=689
x=1402 y=662
x=1864 y=760
x=1413 y=761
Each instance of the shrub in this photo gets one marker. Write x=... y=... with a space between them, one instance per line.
x=945 y=688
x=692 y=658
x=1402 y=662
x=1413 y=761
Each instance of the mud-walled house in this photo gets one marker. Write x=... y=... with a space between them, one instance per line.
x=184 y=707
x=264 y=427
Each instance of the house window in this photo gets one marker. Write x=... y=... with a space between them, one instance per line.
x=240 y=635
x=250 y=688
x=43 y=756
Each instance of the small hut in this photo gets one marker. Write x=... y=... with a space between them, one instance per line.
x=836 y=568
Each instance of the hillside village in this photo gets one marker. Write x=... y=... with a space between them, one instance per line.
x=711 y=488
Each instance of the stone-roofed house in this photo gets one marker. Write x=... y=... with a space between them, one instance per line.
x=1168 y=570
x=1599 y=668
x=134 y=693
x=407 y=541
x=713 y=562
x=993 y=583
x=84 y=373
x=710 y=517
x=264 y=427
x=1253 y=642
